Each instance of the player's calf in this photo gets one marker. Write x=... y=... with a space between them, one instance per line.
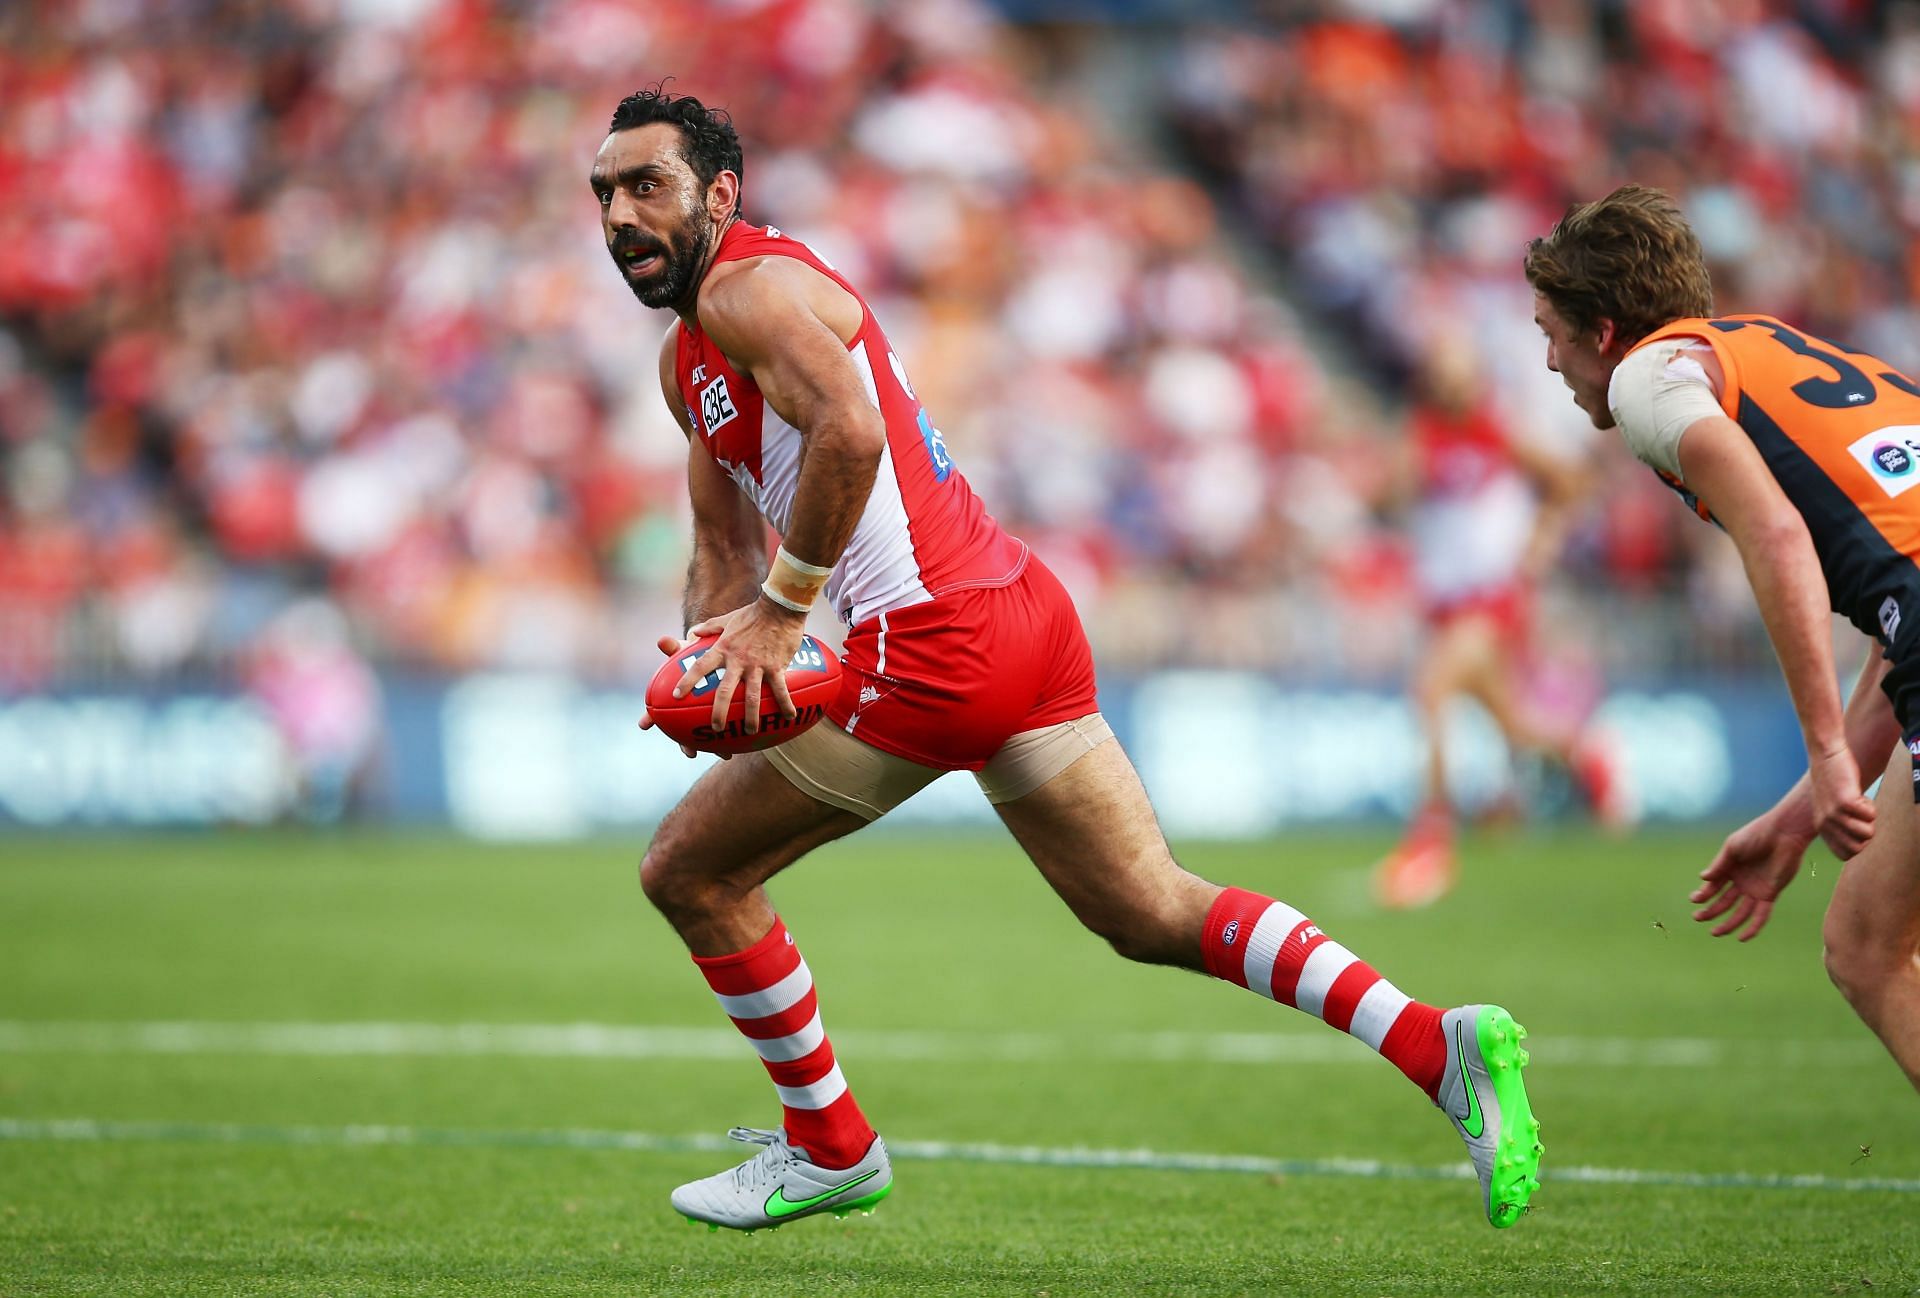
x=1276 y=952
x=1466 y=1060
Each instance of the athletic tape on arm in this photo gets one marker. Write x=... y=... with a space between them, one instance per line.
x=794 y=583
x=1656 y=394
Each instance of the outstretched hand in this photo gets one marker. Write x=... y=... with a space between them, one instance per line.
x=1752 y=868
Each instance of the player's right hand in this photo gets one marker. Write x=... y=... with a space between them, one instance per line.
x=671 y=645
x=1842 y=815
x=756 y=642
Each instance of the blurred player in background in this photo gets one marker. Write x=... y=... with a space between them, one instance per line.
x=963 y=653
x=1490 y=511
x=1805 y=452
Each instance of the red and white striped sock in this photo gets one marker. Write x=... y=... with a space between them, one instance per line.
x=767 y=991
x=1269 y=947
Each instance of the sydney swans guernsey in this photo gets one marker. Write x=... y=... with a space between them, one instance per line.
x=923 y=532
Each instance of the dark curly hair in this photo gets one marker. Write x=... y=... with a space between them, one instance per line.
x=709 y=143
x=1630 y=258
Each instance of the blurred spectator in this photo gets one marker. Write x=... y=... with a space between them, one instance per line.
x=279 y=321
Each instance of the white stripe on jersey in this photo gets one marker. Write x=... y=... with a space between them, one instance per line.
x=1475 y=540
x=864 y=364
x=779 y=469
x=879 y=570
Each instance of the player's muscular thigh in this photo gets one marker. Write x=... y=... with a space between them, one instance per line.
x=1092 y=834
x=1874 y=918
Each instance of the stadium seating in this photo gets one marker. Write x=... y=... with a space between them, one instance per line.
x=278 y=322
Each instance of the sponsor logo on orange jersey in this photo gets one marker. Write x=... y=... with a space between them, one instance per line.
x=1891 y=455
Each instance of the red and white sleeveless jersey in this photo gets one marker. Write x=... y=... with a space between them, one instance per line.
x=1476 y=509
x=923 y=531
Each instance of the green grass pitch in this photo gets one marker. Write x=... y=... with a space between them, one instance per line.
x=275 y=1140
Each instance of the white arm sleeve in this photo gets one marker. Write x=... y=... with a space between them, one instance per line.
x=1657 y=393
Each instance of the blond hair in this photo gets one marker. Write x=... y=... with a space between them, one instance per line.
x=1630 y=258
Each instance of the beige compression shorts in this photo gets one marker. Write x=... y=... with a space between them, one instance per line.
x=831 y=765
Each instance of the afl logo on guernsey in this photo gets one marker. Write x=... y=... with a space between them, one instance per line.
x=936 y=441
x=1891 y=456
x=716 y=405
x=1228 y=934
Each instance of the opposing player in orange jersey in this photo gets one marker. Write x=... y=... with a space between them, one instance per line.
x=1806 y=452
x=1489 y=512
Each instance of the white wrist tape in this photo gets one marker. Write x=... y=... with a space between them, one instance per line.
x=766 y=588
x=794 y=583
x=781 y=556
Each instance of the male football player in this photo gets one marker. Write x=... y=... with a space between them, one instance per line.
x=1489 y=512
x=1804 y=451
x=963 y=653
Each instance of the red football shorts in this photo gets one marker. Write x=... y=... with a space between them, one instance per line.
x=948 y=682
x=1508 y=607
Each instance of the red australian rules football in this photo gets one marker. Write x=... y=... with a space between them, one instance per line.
x=813 y=678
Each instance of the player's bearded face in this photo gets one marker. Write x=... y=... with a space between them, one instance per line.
x=659 y=266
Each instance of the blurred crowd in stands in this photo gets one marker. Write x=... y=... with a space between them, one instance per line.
x=1396 y=153
x=310 y=351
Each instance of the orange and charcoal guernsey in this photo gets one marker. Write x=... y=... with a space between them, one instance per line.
x=1840 y=431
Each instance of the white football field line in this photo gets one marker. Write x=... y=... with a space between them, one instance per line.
x=90 y=1131
x=616 y=1041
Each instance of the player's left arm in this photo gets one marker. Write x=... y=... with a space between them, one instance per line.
x=1561 y=483
x=1721 y=466
x=785 y=325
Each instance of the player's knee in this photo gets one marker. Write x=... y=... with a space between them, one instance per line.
x=1146 y=931
x=666 y=874
x=1132 y=937
x=1851 y=972
x=1142 y=944
x=1861 y=958
x=656 y=875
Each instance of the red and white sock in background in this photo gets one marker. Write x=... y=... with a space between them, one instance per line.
x=1269 y=947
x=767 y=991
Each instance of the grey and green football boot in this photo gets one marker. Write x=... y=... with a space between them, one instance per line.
x=782 y=1184
x=1482 y=1093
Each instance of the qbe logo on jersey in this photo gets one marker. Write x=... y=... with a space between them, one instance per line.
x=1892 y=456
x=716 y=405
